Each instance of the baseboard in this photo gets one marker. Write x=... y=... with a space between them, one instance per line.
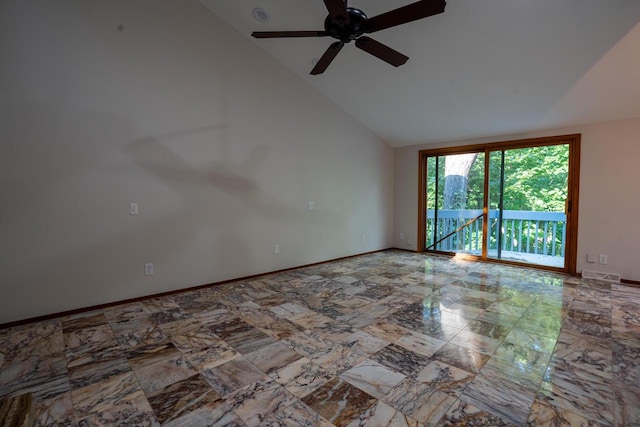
x=405 y=250
x=634 y=283
x=177 y=291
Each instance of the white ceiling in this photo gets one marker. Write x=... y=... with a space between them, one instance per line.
x=483 y=68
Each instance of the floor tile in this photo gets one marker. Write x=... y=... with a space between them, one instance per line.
x=413 y=339
x=139 y=331
x=308 y=344
x=45 y=378
x=158 y=375
x=116 y=401
x=249 y=340
x=461 y=357
x=339 y=402
x=372 y=378
x=420 y=401
x=211 y=356
x=580 y=391
x=465 y=414
x=233 y=375
x=506 y=399
x=182 y=397
x=439 y=330
x=273 y=357
x=214 y=316
x=531 y=340
x=445 y=378
x=420 y=343
x=382 y=414
x=280 y=329
x=190 y=339
x=147 y=354
x=89 y=373
x=259 y=401
x=302 y=377
x=386 y=331
x=626 y=409
x=297 y=415
x=546 y=415
x=56 y=411
x=488 y=329
x=93 y=336
x=216 y=416
x=79 y=321
x=364 y=343
x=400 y=359
x=336 y=359
x=476 y=342
x=584 y=352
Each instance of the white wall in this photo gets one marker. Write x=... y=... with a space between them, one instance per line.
x=221 y=147
x=609 y=221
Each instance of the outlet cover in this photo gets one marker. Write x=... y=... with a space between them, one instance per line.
x=602 y=259
x=148 y=269
x=592 y=258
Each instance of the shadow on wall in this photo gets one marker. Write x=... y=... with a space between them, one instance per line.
x=70 y=175
x=236 y=179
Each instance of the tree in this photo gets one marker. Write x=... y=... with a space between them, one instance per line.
x=456 y=179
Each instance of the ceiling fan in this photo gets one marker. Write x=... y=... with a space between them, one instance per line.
x=348 y=23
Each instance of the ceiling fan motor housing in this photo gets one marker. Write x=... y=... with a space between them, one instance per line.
x=345 y=32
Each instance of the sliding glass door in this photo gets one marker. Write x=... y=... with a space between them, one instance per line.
x=509 y=202
x=527 y=197
x=454 y=212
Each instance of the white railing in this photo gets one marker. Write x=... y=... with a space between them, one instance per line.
x=542 y=233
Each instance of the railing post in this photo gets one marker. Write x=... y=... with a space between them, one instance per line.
x=520 y=228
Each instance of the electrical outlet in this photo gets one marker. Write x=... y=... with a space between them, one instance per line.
x=276 y=249
x=364 y=238
x=148 y=269
x=602 y=259
x=311 y=205
x=402 y=236
x=133 y=209
x=592 y=258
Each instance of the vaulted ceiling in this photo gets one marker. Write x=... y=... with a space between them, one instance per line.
x=482 y=68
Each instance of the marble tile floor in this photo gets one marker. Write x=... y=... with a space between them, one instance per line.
x=386 y=339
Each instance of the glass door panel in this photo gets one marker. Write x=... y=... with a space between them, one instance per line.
x=527 y=194
x=455 y=198
x=530 y=206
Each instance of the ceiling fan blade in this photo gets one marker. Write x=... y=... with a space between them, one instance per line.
x=326 y=59
x=381 y=51
x=402 y=15
x=279 y=34
x=337 y=10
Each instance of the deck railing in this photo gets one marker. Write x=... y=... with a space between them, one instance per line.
x=541 y=233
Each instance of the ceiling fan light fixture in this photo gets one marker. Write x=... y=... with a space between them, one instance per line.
x=347 y=24
x=260 y=14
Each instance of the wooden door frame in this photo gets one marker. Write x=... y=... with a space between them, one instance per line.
x=573 y=184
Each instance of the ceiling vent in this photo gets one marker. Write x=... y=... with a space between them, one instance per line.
x=260 y=14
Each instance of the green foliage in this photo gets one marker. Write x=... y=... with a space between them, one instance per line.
x=535 y=179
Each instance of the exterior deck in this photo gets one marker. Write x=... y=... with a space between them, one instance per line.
x=525 y=236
